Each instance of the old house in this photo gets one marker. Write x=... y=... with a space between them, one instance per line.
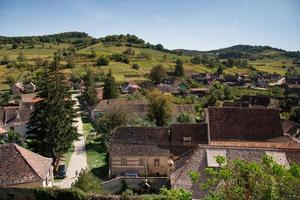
x=130 y=88
x=28 y=101
x=257 y=101
x=141 y=150
x=17 y=88
x=30 y=88
x=231 y=132
x=14 y=118
x=199 y=92
x=292 y=86
x=21 y=168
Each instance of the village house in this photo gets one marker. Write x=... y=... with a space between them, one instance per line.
x=231 y=132
x=292 y=86
x=21 y=168
x=141 y=150
x=130 y=88
x=199 y=92
x=19 y=88
x=291 y=128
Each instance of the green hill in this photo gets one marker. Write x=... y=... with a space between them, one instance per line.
x=146 y=55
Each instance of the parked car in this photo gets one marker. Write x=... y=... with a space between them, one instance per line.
x=61 y=171
x=130 y=174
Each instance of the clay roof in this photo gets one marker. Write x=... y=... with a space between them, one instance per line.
x=30 y=98
x=146 y=141
x=250 y=124
x=19 y=165
x=197 y=132
x=2 y=130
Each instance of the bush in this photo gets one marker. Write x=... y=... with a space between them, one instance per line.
x=57 y=194
x=135 y=66
x=102 y=61
x=88 y=183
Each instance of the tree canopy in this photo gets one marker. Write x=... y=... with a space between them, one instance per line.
x=110 y=90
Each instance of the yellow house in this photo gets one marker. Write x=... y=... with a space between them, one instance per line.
x=21 y=168
x=144 y=151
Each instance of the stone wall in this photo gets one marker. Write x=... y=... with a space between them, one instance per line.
x=115 y=185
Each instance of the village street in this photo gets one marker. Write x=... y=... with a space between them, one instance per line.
x=78 y=158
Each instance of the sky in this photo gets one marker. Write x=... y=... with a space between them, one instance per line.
x=184 y=24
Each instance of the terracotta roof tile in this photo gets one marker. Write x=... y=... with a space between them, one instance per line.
x=19 y=165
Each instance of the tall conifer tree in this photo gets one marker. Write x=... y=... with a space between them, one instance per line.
x=110 y=87
x=90 y=95
x=52 y=122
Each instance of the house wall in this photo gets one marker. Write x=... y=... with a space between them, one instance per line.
x=133 y=165
x=28 y=185
x=22 y=129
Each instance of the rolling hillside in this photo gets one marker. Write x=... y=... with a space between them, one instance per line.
x=266 y=59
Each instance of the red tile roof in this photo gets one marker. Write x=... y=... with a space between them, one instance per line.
x=248 y=124
x=19 y=165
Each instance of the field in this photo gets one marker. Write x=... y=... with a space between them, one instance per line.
x=124 y=72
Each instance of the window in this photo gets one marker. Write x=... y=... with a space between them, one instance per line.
x=141 y=162
x=156 y=162
x=187 y=139
x=123 y=161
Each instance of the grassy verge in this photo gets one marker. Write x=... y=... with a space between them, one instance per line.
x=95 y=150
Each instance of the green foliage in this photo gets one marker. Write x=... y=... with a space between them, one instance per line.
x=89 y=94
x=88 y=183
x=102 y=61
x=179 y=70
x=52 y=120
x=13 y=137
x=295 y=114
x=110 y=90
x=157 y=73
x=194 y=176
x=174 y=194
x=184 y=118
x=135 y=66
x=5 y=60
x=118 y=57
x=242 y=180
x=159 y=108
x=21 y=57
x=58 y=194
x=129 y=52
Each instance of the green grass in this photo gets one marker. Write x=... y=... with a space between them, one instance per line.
x=95 y=150
x=67 y=156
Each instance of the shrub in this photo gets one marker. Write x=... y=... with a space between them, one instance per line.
x=135 y=66
x=102 y=61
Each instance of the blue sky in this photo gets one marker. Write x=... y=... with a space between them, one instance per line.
x=189 y=24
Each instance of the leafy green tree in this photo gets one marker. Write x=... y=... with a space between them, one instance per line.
x=13 y=137
x=110 y=120
x=102 y=61
x=4 y=60
x=110 y=90
x=159 y=108
x=135 y=66
x=158 y=73
x=242 y=180
x=21 y=57
x=184 y=118
x=70 y=58
x=129 y=52
x=88 y=183
x=220 y=70
x=295 y=114
x=228 y=93
x=93 y=53
x=89 y=94
x=179 y=69
x=52 y=121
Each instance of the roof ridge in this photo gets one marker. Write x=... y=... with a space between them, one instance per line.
x=17 y=147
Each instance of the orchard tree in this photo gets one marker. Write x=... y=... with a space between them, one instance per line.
x=110 y=90
x=160 y=108
x=157 y=73
x=102 y=61
x=179 y=69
